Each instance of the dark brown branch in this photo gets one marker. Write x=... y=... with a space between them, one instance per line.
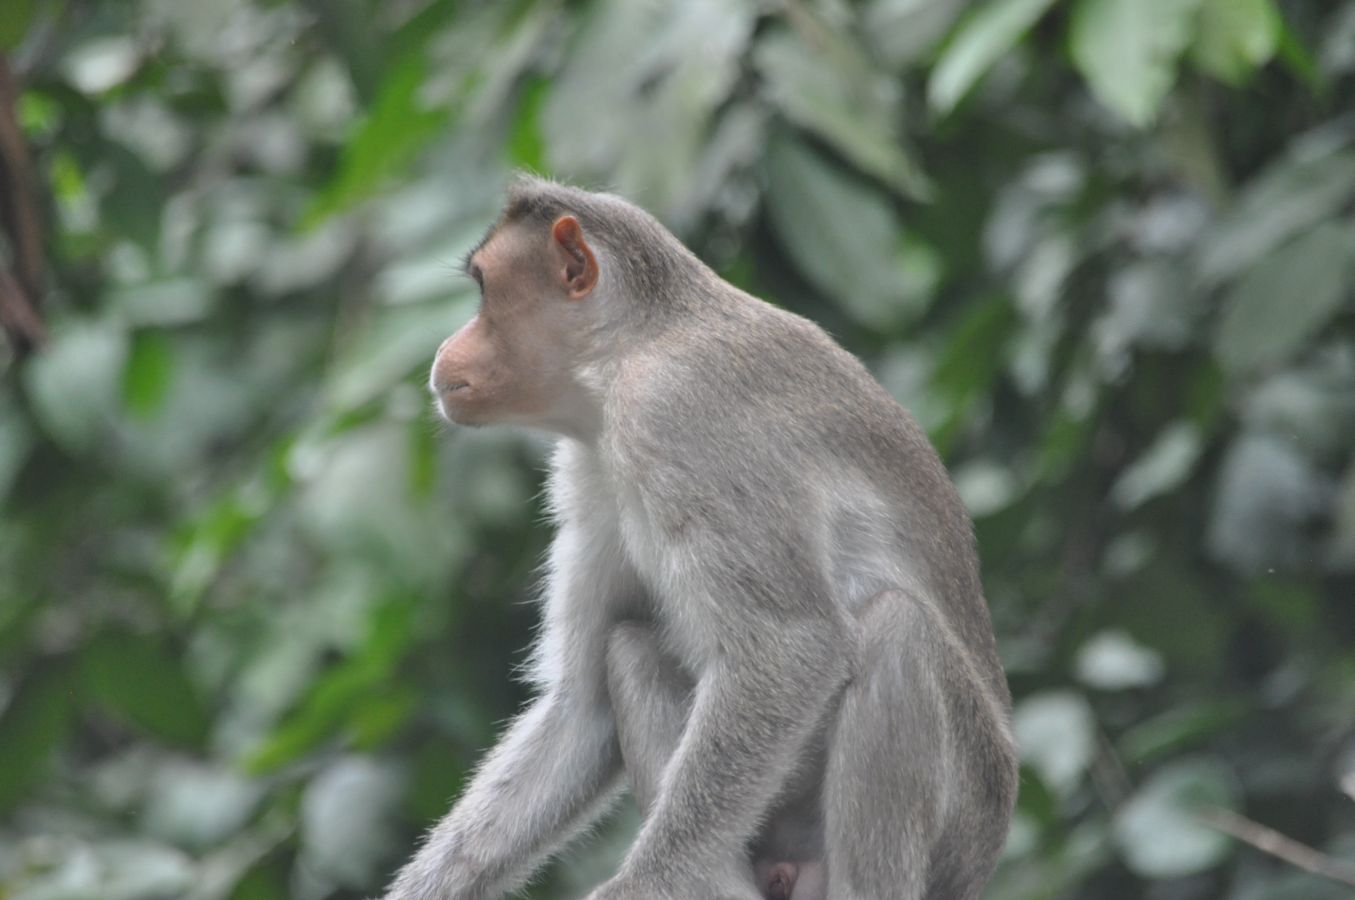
x=19 y=291
x=18 y=317
x=1272 y=843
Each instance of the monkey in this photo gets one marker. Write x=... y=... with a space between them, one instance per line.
x=761 y=607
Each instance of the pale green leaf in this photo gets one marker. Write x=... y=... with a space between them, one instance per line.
x=635 y=99
x=1265 y=500
x=845 y=103
x=115 y=868
x=102 y=64
x=904 y=31
x=397 y=342
x=841 y=234
x=1341 y=551
x=197 y=805
x=1286 y=298
x=348 y=816
x=1128 y=51
x=1162 y=467
x=986 y=486
x=981 y=41
x=1234 y=37
x=1158 y=831
x=1291 y=195
x=76 y=383
x=1112 y=660
x=1056 y=733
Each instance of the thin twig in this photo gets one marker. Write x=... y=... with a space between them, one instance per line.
x=1271 y=842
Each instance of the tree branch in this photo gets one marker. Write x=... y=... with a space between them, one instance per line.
x=1272 y=843
x=22 y=224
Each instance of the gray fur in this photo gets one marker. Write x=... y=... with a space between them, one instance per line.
x=763 y=605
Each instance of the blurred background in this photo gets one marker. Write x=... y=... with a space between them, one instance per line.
x=259 y=612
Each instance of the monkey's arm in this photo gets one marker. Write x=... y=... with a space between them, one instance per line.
x=542 y=782
x=555 y=768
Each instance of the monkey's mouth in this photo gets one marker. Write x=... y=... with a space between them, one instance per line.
x=447 y=401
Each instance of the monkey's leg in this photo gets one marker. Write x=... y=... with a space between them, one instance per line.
x=651 y=698
x=920 y=779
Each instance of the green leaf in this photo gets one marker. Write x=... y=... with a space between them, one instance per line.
x=1128 y=50
x=1296 y=55
x=981 y=40
x=398 y=127
x=358 y=697
x=1286 y=298
x=1290 y=604
x=205 y=545
x=1180 y=728
x=32 y=728
x=377 y=717
x=136 y=200
x=136 y=679
x=1157 y=830
x=146 y=380
x=1234 y=37
x=971 y=360
x=14 y=23
x=526 y=146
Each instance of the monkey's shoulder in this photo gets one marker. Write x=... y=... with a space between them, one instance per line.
x=755 y=360
x=755 y=392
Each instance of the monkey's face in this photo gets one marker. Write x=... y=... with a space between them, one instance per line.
x=512 y=362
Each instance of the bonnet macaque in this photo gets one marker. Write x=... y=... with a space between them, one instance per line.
x=762 y=610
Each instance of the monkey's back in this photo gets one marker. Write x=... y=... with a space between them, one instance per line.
x=783 y=391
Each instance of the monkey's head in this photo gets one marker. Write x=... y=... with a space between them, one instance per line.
x=514 y=361
x=568 y=278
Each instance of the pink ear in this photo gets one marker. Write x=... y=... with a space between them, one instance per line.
x=580 y=266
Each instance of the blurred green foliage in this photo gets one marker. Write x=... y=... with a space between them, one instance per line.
x=258 y=612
